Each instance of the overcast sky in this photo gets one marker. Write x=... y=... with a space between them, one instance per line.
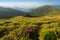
x=28 y=3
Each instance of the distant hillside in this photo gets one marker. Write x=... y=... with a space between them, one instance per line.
x=40 y=11
x=9 y=12
x=44 y=10
x=58 y=6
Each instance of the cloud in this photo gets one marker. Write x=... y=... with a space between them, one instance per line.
x=22 y=4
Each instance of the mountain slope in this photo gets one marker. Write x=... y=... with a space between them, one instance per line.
x=9 y=12
x=44 y=10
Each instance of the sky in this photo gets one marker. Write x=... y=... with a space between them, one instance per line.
x=27 y=3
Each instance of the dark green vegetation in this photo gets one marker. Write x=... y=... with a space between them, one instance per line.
x=9 y=12
x=45 y=27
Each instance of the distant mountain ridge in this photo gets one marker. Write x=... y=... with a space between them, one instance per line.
x=29 y=9
x=9 y=12
x=44 y=10
x=58 y=6
x=35 y=12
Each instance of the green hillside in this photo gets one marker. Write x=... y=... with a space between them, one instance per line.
x=44 y=10
x=9 y=12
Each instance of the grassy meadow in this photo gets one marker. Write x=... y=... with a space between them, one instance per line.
x=30 y=28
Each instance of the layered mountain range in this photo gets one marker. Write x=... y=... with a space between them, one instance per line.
x=33 y=12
